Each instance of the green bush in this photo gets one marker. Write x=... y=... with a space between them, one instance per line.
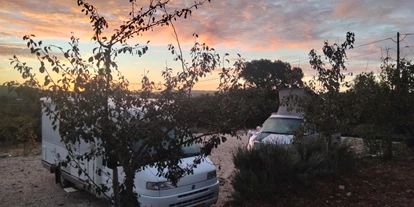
x=269 y=171
x=372 y=144
x=382 y=142
x=20 y=121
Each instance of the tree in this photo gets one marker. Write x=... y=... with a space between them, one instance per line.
x=367 y=92
x=383 y=105
x=370 y=109
x=326 y=112
x=400 y=88
x=94 y=103
x=21 y=125
x=269 y=75
x=263 y=78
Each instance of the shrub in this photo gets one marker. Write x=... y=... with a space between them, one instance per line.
x=257 y=175
x=14 y=130
x=400 y=151
x=269 y=171
x=369 y=135
x=22 y=125
x=382 y=143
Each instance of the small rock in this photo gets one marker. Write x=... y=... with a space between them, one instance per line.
x=341 y=187
x=409 y=191
x=349 y=194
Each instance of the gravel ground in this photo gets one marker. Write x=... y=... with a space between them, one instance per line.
x=222 y=158
x=24 y=182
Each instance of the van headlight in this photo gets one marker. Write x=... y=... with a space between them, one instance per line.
x=160 y=185
x=211 y=174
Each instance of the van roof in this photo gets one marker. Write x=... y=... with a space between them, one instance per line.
x=111 y=104
x=287 y=101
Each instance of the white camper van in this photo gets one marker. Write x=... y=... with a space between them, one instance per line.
x=198 y=189
x=280 y=127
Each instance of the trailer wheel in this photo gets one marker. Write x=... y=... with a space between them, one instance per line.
x=62 y=181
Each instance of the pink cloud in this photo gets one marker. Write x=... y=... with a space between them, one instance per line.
x=8 y=50
x=365 y=9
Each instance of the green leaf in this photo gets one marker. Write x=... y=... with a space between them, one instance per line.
x=47 y=81
x=97 y=56
x=42 y=69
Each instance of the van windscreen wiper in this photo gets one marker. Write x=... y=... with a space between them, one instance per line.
x=270 y=132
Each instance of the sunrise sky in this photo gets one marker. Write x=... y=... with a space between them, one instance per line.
x=284 y=29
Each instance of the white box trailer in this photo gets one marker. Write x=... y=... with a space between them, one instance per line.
x=198 y=189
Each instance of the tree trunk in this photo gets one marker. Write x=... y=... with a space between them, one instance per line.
x=115 y=185
x=388 y=153
x=129 y=199
x=115 y=179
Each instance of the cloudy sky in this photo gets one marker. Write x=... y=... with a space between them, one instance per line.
x=284 y=29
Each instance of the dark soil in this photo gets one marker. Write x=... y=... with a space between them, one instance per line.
x=374 y=183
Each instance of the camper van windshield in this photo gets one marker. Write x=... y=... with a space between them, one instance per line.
x=190 y=150
x=281 y=125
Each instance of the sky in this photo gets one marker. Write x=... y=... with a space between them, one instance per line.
x=277 y=30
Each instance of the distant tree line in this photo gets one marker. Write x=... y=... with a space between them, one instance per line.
x=20 y=120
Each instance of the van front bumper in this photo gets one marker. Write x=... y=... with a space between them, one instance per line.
x=199 y=197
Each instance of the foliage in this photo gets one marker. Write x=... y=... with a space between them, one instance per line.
x=383 y=106
x=17 y=129
x=371 y=113
x=269 y=170
x=269 y=75
x=326 y=112
x=374 y=107
x=93 y=101
x=257 y=104
x=22 y=125
x=261 y=81
x=261 y=104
